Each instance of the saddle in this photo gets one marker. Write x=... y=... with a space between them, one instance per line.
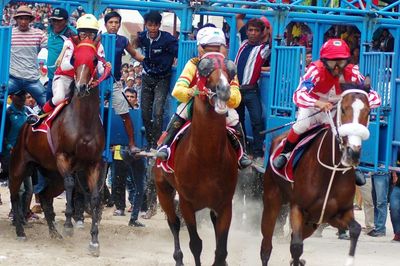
x=168 y=165
x=306 y=139
x=45 y=126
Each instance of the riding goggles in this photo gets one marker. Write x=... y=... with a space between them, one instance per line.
x=340 y=63
x=90 y=35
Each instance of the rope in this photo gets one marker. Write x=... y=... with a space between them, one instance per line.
x=334 y=169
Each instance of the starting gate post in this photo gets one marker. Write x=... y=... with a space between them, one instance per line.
x=5 y=48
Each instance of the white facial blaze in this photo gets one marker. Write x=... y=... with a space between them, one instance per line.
x=223 y=79
x=357 y=105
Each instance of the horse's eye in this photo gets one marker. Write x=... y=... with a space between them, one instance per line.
x=343 y=111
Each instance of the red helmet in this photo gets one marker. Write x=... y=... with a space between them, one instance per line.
x=335 y=49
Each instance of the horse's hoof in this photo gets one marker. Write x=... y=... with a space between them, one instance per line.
x=68 y=231
x=301 y=263
x=56 y=235
x=94 y=249
x=79 y=225
x=21 y=238
x=179 y=264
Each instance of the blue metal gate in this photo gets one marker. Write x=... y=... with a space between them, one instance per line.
x=377 y=150
x=289 y=65
x=5 y=48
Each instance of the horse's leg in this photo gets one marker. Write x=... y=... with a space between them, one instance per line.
x=166 y=195
x=17 y=175
x=223 y=222
x=64 y=166
x=272 y=206
x=95 y=183
x=195 y=243
x=296 y=244
x=347 y=221
x=46 y=201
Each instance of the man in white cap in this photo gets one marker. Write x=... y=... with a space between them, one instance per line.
x=209 y=39
x=26 y=42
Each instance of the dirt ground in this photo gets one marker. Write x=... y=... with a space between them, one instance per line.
x=153 y=245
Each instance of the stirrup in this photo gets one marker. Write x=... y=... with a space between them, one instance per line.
x=163 y=153
x=244 y=162
x=281 y=160
x=33 y=119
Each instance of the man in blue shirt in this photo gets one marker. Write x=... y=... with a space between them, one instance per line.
x=113 y=23
x=160 y=49
x=58 y=32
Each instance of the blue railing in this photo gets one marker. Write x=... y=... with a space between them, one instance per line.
x=5 y=48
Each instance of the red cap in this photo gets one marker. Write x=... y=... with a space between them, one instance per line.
x=334 y=49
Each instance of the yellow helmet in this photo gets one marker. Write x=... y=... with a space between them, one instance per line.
x=87 y=21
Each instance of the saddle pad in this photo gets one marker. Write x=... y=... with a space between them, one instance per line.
x=168 y=165
x=306 y=140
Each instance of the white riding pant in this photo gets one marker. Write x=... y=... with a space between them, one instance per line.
x=60 y=88
x=305 y=123
x=232 y=118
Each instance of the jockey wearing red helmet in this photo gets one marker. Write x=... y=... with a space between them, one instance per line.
x=319 y=89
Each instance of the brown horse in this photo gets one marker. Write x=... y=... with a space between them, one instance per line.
x=78 y=142
x=205 y=164
x=324 y=187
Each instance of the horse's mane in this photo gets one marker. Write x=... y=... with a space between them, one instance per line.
x=354 y=86
x=71 y=90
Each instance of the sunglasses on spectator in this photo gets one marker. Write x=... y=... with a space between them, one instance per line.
x=340 y=63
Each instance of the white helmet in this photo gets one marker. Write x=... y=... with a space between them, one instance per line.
x=87 y=21
x=210 y=36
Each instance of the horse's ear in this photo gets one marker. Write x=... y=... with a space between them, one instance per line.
x=98 y=39
x=231 y=68
x=75 y=39
x=205 y=67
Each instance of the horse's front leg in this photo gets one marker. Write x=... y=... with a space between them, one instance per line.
x=95 y=183
x=14 y=185
x=64 y=167
x=296 y=244
x=272 y=206
x=195 y=243
x=222 y=223
x=166 y=194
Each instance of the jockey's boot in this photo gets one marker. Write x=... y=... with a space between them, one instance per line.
x=237 y=140
x=175 y=124
x=360 y=178
x=282 y=159
x=36 y=119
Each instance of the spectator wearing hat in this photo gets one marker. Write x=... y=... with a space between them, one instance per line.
x=25 y=45
x=251 y=56
x=160 y=50
x=130 y=82
x=113 y=23
x=58 y=32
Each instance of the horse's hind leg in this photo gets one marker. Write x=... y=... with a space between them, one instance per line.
x=166 y=195
x=347 y=220
x=272 y=206
x=195 y=243
x=296 y=244
x=17 y=175
x=64 y=166
x=46 y=202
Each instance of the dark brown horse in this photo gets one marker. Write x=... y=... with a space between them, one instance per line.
x=324 y=186
x=205 y=165
x=78 y=142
